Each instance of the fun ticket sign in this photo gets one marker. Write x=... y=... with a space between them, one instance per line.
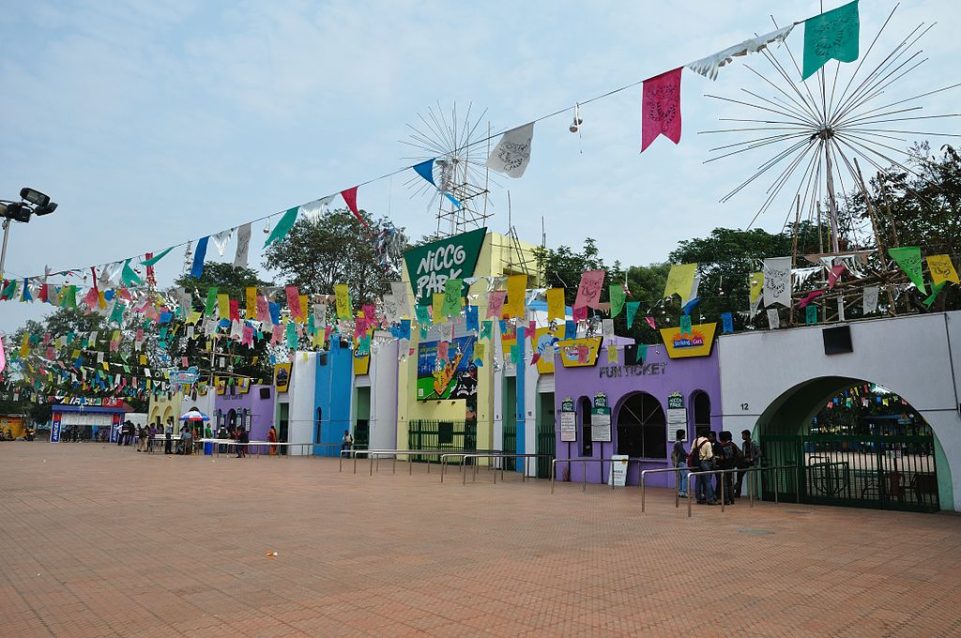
x=431 y=265
x=696 y=343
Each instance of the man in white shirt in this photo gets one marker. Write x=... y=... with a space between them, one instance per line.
x=702 y=451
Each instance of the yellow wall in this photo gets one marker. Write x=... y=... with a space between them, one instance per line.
x=163 y=408
x=497 y=257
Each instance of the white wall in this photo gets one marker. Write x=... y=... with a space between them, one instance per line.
x=300 y=396
x=908 y=355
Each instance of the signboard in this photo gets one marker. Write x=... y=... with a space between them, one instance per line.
x=676 y=421
x=696 y=343
x=101 y=402
x=578 y=353
x=675 y=400
x=455 y=378
x=568 y=421
x=282 y=373
x=601 y=425
x=545 y=341
x=184 y=377
x=55 y=427
x=221 y=384
x=430 y=266
x=617 y=476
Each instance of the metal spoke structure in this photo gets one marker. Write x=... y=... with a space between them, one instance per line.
x=460 y=201
x=818 y=130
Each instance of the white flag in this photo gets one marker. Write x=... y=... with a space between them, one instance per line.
x=399 y=290
x=870 y=299
x=320 y=315
x=777 y=281
x=607 y=328
x=513 y=152
x=773 y=320
x=390 y=308
x=220 y=240
x=312 y=210
x=243 y=246
x=708 y=66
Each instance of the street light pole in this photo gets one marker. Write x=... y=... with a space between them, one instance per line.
x=3 y=253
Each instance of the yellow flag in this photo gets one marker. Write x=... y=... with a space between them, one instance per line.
x=757 y=287
x=480 y=349
x=680 y=281
x=143 y=359
x=101 y=300
x=555 y=304
x=251 y=294
x=223 y=306
x=342 y=295
x=304 y=309
x=439 y=315
x=25 y=345
x=942 y=269
x=516 y=292
x=193 y=317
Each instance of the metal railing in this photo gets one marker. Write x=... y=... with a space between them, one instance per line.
x=498 y=455
x=584 y=463
x=749 y=469
x=375 y=455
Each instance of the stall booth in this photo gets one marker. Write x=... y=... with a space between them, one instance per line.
x=86 y=418
x=615 y=398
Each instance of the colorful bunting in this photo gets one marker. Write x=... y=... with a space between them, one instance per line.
x=350 y=198
x=283 y=226
x=777 y=281
x=935 y=289
x=426 y=170
x=632 y=308
x=909 y=259
x=516 y=296
x=243 y=246
x=680 y=281
x=150 y=262
x=495 y=304
x=727 y=323
x=709 y=66
x=811 y=315
x=942 y=269
x=618 y=297
x=589 y=290
x=342 y=296
x=831 y=36
x=513 y=152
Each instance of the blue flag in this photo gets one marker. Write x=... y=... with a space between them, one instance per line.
x=200 y=253
x=727 y=323
x=472 y=322
x=570 y=329
x=426 y=170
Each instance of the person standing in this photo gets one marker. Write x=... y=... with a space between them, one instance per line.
x=702 y=457
x=151 y=435
x=120 y=430
x=727 y=460
x=750 y=457
x=272 y=438
x=347 y=442
x=716 y=449
x=142 y=434
x=243 y=438
x=679 y=460
x=168 y=437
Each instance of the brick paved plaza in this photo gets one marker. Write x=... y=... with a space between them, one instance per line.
x=103 y=541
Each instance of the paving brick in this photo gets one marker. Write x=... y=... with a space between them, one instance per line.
x=113 y=543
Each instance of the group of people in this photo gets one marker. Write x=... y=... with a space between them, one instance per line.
x=714 y=452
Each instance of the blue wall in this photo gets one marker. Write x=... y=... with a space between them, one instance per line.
x=519 y=412
x=332 y=396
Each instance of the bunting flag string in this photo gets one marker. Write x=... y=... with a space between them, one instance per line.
x=661 y=108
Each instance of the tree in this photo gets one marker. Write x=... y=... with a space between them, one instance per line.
x=562 y=267
x=334 y=248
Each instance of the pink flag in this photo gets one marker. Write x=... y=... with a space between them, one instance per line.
x=247 y=339
x=532 y=329
x=650 y=321
x=835 y=274
x=293 y=302
x=350 y=198
x=661 y=108
x=263 y=309
x=803 y=303
x=370 y=313
x=589 y=290
x=495 y=304
x=360 y=327
x=235 y=310
x=580 y=314
x=91 y=298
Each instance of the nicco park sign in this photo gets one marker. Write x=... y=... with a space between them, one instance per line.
x=431 y=265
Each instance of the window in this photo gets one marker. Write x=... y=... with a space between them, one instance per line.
x=587 y=444
x=701 y=407
x=642 y=428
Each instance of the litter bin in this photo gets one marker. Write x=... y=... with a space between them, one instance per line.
x=208 y=449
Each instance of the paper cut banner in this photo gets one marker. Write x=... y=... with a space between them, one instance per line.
x=832 y=35
x=680 y=281
x=589 y=289
x=342 y=295
x=777 y=281
x=811 y=315
x=555 y=304
x=661 y=108
x=617 y=297
x=283 y=226
x=243 y=246
x=870 y=299
x=495 y=304
x=773 y=320
x=909 y=260
x=516 y=293
x=632 y=307
x=942 y=269
x=513 y=152
x=709 y=66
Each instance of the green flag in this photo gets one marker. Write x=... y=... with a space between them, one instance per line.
x=810 y=314
x=153 y=260
x=909 y=259
x=69 y=299
x=632 y=307
x=211 y=304
x=129 y=277
x=283 y=226
x=453 y=290
x=935 y=289
x=831 y=36
x=618 y=296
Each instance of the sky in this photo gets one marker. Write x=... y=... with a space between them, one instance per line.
x=153 y=123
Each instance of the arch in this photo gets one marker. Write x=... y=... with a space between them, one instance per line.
x=231 y=419
x=168 y=415
x=875 y=458
x=700 y=403
x=641 y=426
x=587 y=442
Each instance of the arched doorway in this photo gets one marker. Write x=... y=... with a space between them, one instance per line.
x=641 y=427
x=587 y=441
x=701 y=413
x=856 y=444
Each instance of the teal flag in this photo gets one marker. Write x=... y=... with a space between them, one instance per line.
x=116 y=315
x=632 y=308
x=153 y=260
x=810 y=314
x=831 y=36
x=935 y=289
x=129 y=277
x=685 y=324
x=291 y=335
x=283 y=226
x=641 y=353
x=487 y=329
x=453 y=291
x=617 y=299
x=423 y=315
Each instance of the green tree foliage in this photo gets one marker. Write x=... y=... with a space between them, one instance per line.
x=225 y=278
x=333 y=248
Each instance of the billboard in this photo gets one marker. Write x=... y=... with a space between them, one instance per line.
x=697 y=343
x=455 y=378
x=429 y=266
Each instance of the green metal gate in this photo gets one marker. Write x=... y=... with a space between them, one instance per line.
x=509 y=445
x=545 y=445
x=441 y=435
x=876 y=469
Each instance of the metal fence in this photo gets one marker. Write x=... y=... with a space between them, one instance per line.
x=441 y=435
